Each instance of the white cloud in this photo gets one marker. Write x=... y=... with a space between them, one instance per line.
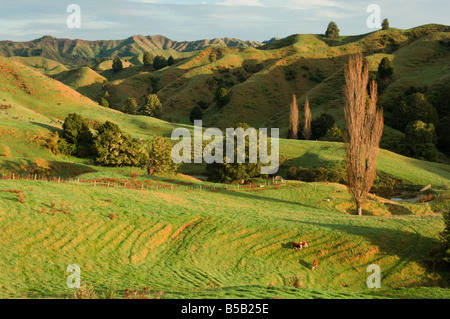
x=241 y=3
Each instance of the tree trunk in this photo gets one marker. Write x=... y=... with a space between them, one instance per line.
x=359 y=210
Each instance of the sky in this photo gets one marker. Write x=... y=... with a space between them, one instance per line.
x=188 y=20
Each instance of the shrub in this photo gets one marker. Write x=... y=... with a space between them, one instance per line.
x=385 y=24
x=289 y=73
x=334 y=134
x=53 y=143
x=85 y=291
x=196 y=114
x=305 y=174
x=292 y=172
x=420 y=140
x=203 y=105
x=385 y=69
x=41 y=167
x=104 y=102
x=159 y=62
x=222 y=97
x=117 y=64
x=321 y=125
x=170 y=61
x=320 y=174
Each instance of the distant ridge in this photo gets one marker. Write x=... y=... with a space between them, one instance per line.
x=78 y=52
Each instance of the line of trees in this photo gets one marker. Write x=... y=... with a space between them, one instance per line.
x=109 y=146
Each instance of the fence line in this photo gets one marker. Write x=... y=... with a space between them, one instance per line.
x=137 y=185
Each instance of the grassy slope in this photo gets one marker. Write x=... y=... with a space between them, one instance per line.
x=175 y=249
x=237 y=239
x=26 y=87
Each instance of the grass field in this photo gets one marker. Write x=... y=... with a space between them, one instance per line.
x=209 y=244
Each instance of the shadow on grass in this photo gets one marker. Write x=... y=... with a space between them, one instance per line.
x=51 y=128
x=408 y=246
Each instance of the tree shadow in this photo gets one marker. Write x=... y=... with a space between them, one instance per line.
x=395 y=209
x=51 y=128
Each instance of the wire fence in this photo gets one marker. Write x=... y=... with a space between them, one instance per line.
x=144 y=185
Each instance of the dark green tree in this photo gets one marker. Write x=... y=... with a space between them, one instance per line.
x=130 y=106
x=196 y=114
x=420 y=140
x=147 y=59
x=115 y=148
x=321 y=125
x=159 y=62
x=385 y=69
x=158 y=156
x=222 y=96
x=104 y=102
x=385 y=24
x=411 y=108
x=152 y=106
x=76 y=131
x=235 y=172
x=332 y=30
x=170 y=61
x=117 y=64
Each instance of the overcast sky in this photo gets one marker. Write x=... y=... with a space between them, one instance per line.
x=186 y=20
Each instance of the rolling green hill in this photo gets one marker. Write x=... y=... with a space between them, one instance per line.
x=214 y=242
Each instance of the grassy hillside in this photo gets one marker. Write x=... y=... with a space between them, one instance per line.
x=215 y=243
x=235 y=244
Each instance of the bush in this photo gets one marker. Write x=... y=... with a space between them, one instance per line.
x=170 y=61
x=289 y=73
x=334 y=134
x=385 y=69
x=196 y=114
x=292 y=172
x=159 y=62
x=420 y=140
x=104 y=102
x=222 y=97
x=203 y=105
x=321 y=125
x=66 y=148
